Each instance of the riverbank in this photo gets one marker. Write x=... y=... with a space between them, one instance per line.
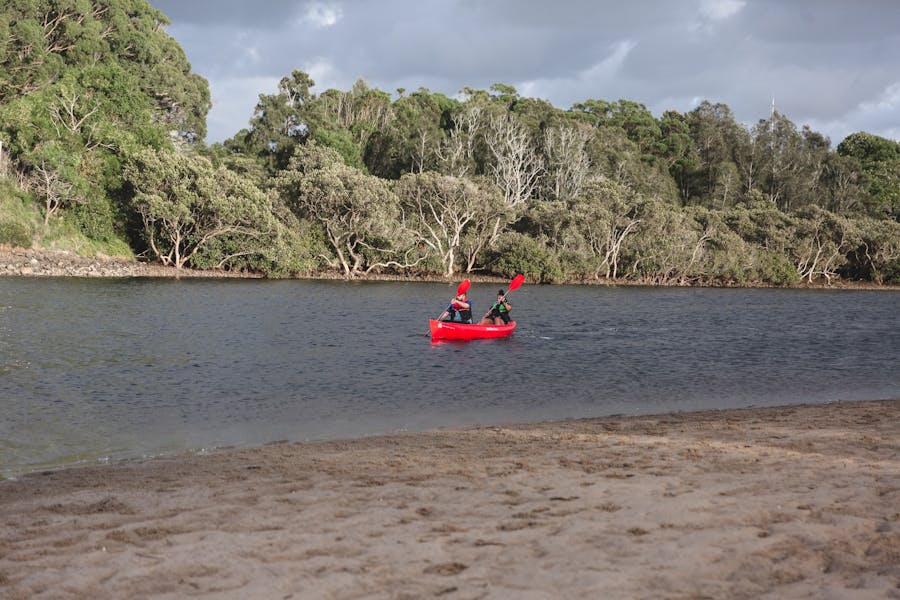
x=788 y=502
x=30 y=262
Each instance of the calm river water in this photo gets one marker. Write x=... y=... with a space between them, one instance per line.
x=98 y=370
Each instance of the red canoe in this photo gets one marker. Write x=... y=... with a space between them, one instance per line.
x=448 y=330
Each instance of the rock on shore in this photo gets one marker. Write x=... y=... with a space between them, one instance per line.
x=64 y=263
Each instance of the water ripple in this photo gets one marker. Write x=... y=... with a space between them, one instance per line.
x=92 y=369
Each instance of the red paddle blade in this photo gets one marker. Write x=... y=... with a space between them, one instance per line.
x=516 y=282
x=463 y=287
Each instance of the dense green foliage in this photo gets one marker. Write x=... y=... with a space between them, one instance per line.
x=102 y=125
x=84 y=84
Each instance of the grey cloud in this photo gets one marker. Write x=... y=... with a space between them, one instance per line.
x=234 y=13
x=823 y=61
x=833 y=22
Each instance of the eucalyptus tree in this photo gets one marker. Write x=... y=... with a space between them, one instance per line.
x=614 y=156
x=537 y=115
x=354 y=120
x=876 y=256
x=821 y=241
x=515 y=165
x=360 y=109
x=491 y=219
x=282 y=120
x=358 y=213
x=505 y=95
x=47 y=182
x=638 y=123
x=669 y=246
x=440 y=209
x=678 y=150
x=590 y=231
x=844 y=184
x=719 y=139
x=567 y=161
x=880 y=161
x=607 y=216
x=457 y=151
x=726 y=190
x=186 y=204
x=791 y=162
x=411 y=141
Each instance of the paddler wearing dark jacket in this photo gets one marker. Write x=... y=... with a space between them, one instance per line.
x=499 y=311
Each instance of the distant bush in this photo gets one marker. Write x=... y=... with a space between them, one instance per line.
x=776 y=268
x=18 y=217
x=890 y=273
x=15 y=234
x=95 y=219
x=518 y=253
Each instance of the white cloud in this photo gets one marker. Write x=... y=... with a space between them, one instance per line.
x=712 y=13
x=888 y=102
x=324 y=74
x=233 y=103
x=880 y=116
x=583 y=85
x=612 y=64
x=718 y=10
x=321 y=16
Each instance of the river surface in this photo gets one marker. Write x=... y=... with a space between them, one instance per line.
x=102 y=370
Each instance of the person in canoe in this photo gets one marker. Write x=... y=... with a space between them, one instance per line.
x=460 y=310
x=499 y=311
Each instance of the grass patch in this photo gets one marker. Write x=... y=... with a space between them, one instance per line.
x=18 y=217
x=22 y=225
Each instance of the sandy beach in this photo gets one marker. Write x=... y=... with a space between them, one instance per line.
x=789 y=502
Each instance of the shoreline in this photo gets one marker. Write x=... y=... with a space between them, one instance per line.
x=780 y=502
x=42 y=263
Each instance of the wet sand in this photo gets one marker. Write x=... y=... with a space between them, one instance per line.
x=789 y=502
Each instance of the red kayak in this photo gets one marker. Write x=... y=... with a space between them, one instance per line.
x=449 y=330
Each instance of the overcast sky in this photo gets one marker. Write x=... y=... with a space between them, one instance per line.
x=831 y=64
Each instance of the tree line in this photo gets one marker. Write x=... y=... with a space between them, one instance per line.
x=102 y=125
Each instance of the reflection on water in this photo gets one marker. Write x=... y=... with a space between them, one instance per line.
x=94 y=369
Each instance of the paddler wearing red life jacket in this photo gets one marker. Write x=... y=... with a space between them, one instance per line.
x=460 y=310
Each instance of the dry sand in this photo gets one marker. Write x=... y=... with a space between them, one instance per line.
x=790 y=502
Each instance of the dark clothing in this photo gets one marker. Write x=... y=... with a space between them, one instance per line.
x=460 y=315
x=503 y=314
x=499 y=310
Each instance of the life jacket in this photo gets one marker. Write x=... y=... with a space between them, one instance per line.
x=465 y=314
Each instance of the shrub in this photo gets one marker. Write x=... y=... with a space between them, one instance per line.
x=775 y=267
x=890 y=272
x=518 y=253
x=95 y=219
x=15 y=234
